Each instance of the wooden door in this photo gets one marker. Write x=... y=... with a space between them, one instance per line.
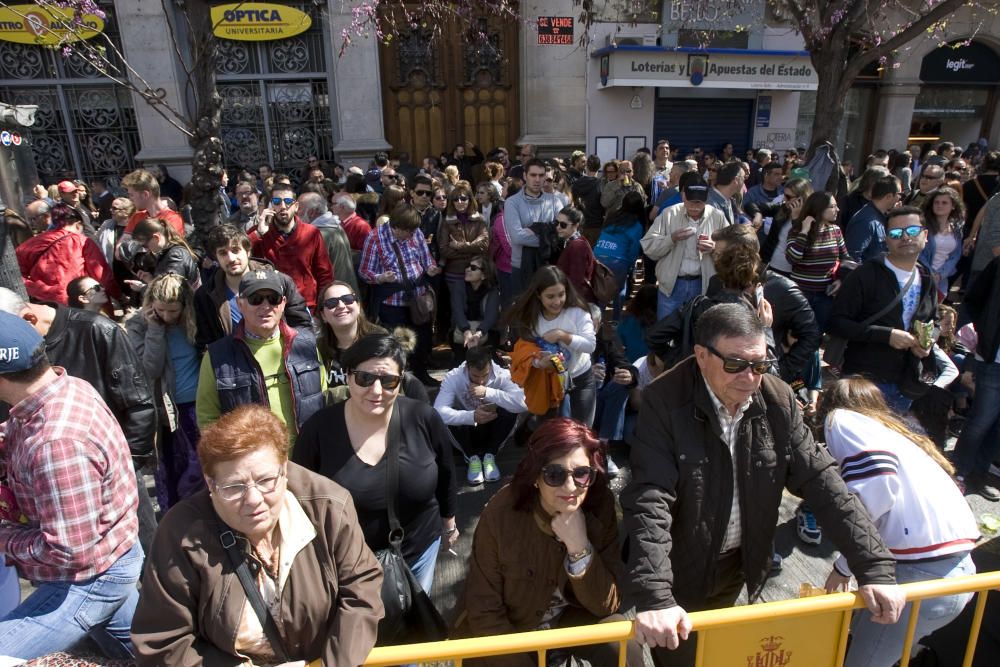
x=440 y=92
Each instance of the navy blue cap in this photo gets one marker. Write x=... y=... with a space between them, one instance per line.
x=21 y=347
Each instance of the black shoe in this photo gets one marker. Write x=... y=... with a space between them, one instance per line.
x=983 y=489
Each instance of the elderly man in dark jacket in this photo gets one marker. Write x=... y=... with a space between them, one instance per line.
x=718 y=440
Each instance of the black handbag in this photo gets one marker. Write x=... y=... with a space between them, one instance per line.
x=410 y=615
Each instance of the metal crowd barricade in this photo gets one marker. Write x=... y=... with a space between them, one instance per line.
x=809 y=631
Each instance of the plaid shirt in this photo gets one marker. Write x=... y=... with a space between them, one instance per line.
x=377 y=257
x=69 y=467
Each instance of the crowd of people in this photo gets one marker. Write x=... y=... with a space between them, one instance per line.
x=303 y=376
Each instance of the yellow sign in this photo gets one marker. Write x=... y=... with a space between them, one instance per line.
x=258 y=21
x=45 y=25
x=809 y=641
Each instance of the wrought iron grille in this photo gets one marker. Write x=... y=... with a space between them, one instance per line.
x=85 y=126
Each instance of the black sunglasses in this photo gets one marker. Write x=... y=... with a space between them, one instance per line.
x=366 y=379
x=334 y=301
x=97 y=288
x=461 y=198
x=287 y=201
x=736 y=365
x=474 y=267
x=913 y=231
x=422 y=193
x=555 y=475
x=257 y=298
x=564 y=225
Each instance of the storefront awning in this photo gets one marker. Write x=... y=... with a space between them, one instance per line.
x=684 y=67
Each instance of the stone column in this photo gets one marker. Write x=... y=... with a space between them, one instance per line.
x=147 y=46
x=553 y=84
x=895 y=111
x=355 y=93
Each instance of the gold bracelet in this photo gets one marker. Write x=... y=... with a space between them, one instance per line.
x=580 y=555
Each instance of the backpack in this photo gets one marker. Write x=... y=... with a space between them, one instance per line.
x=678 y=326
x=604 y=283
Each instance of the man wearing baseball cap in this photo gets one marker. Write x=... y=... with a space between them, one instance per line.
x=69 y=520
x=69 y=194
x=680 y=241
x=263 y=360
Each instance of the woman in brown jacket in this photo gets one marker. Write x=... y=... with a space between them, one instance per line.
x=545 y=553
x=299 y=534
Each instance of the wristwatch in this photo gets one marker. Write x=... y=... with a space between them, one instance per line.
x=579 y=555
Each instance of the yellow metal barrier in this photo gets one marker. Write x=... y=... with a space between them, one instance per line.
x=813 y=630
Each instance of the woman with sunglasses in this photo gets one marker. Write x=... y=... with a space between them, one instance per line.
x=463 y=234
x=348 y=443
x=86 y=293
x=342 y=324
x=475 y=309
x=545 y=553
x=298 y=534
x=163 y=335
x=577 y=257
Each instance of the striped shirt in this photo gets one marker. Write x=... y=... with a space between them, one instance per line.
x=70 y=469
x=378 y=256
x=814 y=267
x=730 y=429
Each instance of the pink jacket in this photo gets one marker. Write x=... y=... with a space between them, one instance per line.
x=500 y=245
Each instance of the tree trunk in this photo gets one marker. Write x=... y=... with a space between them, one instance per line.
x=207 y=161
x=10 y=273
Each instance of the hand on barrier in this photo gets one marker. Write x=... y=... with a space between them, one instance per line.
x=662 y=627
x=884 y=602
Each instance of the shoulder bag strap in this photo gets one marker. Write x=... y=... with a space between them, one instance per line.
x=892 y=304
x=392 y=478
x=236 y=556
x=399 y=260
x=982 y=191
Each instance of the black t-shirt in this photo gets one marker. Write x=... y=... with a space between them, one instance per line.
x=973 y=198
x=427 y=484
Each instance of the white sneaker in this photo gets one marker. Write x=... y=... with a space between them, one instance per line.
x=491 y=469
x=611 y=467
x=475 y=475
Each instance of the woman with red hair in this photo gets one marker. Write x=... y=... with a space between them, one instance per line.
x=545 y=553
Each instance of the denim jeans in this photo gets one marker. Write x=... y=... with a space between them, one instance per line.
x=59 y=614
x=980 y=439
x=878 y=645
x=684 y=291
x=822 y=304
x=423 y=566
x=612 y=399
x=580 y=402
x=894 y=398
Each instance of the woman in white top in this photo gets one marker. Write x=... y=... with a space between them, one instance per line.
x=552 y=314
x=906 y=485
x=944 y=217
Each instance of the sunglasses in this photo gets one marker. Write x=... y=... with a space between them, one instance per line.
x=334 y=301
x=440 y=198
x=555 y=475
x=366 y=379
x=461 y=198
x=564 y=225
x=422 y=193
x=96 y=289
x=913 y=231
x=735 y=365
x=473 y=267
x=287 y=201
x=257 y=298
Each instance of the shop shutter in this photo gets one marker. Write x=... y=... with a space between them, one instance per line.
x=709 y=123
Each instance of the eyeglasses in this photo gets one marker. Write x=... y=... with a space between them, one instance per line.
x=735 y=365
x=334 y=301
x=97 y=288
x=473 y=267
x=913 y=231
x=287 y=201
x=564 y=225
x=440 y=197
x=391 y=177
x=257 y=298
x=366 y=379
x=422 y=193
x=461 y=198
x=555 y=475
x=234 y=492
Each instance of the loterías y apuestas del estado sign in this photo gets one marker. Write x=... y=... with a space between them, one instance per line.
x=258 y=21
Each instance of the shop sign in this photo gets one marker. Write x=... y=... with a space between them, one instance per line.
x=555 y=30
x=258 y=21
x=974 y=63
x=46 y=26
x=672 y=69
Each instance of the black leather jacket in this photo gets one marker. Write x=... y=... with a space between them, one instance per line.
x=792 y=314
x=93 y=348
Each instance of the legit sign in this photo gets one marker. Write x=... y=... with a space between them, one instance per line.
x=258 y=21
x=45 y=25
x=555 y=30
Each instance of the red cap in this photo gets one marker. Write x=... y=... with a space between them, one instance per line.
x=67 y=186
